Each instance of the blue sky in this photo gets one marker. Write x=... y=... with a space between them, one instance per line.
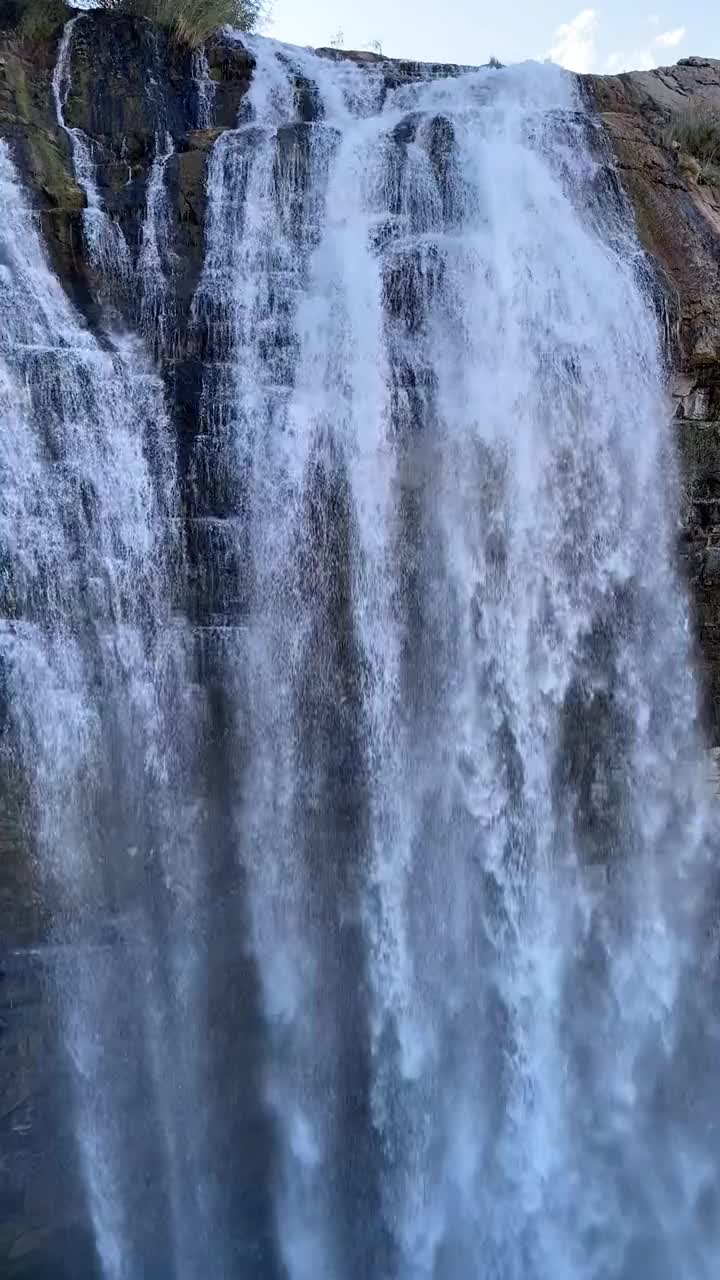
x=613 y=36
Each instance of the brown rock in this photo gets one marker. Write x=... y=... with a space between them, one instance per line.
x=677 y=215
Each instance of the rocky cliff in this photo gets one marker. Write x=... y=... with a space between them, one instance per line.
x=146 y=103
x=677 y=210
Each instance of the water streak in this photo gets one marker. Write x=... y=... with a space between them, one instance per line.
x=107 y=248
x=204 y=90
x=142 y=278
x=156 y=253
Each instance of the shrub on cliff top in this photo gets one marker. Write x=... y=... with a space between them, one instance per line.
x=190 y=22
x=694 y=134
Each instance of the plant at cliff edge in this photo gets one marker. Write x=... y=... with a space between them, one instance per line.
x=694 y=135
x=190 y=22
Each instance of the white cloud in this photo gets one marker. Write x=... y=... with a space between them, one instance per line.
x=636 y=60
x=574 y=42
x=574 y=46
x=668 y=39
x=646 y=58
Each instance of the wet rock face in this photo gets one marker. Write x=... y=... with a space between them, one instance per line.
x=27 y=123
x=43 y=1232
x=678 y=220
x=131 y=85
x=128 y=87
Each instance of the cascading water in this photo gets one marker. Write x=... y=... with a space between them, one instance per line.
x=380 y=804
x=107 y=250
x=155 y=251
x=204 y=90
x=441 y=410
x=95 y=672
x=106 y=247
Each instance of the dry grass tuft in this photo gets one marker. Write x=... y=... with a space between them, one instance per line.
x=694 y=136
x=191 y=22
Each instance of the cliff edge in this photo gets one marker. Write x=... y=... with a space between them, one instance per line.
x=677 y=210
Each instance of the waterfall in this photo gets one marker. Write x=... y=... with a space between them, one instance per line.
x=156 y=251
x=367 y=790
x=204 y=90
x=471 y=794
x=106 y=246
x=108 y=252
x=95 y=668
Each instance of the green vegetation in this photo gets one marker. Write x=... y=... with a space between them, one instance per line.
x=190 y=22
x=33 y=20
x=694 y=135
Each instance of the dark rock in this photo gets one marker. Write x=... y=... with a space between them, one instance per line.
x=711 y=565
